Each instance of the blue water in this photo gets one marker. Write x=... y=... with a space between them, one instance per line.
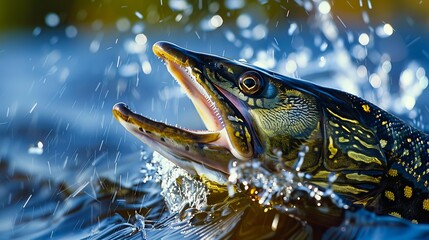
x=86 y=181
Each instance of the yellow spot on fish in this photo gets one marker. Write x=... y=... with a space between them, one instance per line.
x=409 y=140
x=363 y=158
x=251 y=102
x=414 y=221
x=426 y=204
x=390 y=195
x=342 y=118
x=384 y=123
x=237 y=134
x=343 y=140
x=395 y=214
x=362 y=178
x=346 y=129
x=408 y=192
x=341 y=188
x=321 y=174
x=366 y=108
x=383 y=143
x=365 y=144
x=333 y=124
x=331 y=148
x=363 y=201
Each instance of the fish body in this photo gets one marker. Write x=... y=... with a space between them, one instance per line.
x=379 y=161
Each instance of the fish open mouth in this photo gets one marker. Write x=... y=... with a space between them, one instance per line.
x=224 y=139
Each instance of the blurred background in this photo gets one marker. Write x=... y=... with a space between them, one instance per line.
x=64 y=64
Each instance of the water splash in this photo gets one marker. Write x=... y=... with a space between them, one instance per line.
x=179 y=188
x=140 y=225
x=286 y=190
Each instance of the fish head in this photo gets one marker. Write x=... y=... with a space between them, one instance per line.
x=249 y=113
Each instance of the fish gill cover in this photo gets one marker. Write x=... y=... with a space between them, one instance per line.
x=70 y=171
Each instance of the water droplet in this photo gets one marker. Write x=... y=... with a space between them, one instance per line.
x=128 y=70
x=388 y=29
x=364 y=39
x=52 y=19
x=234 y=4
x=365 y=17
x=247 y=52
x=291 y=66
x=37 y=31
x=259 y=32
x=216 y=21
x=324 y=7
x=420 y=72
x=322 y=62
x=140 y=39
x=362 y=71
x=178 y=17
x=64 y=74
x=230 y=36
x=36 y=150
x=359 y=52
x=375 y=80
x=293 y=27
x=71 y=31
x=139 y=15
x=214 y=7
x=146 y=67
x=409 y=102
x=138 y=28
x=423 y=82
x=123 y=24
x=179 y=5
x=94 y=46
x=97 y=25
x=406 y=78
x=244 y=21
x=386 y=66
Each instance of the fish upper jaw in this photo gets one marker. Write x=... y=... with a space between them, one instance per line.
x=216 y=109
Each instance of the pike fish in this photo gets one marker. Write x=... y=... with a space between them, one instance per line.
x=380 y=162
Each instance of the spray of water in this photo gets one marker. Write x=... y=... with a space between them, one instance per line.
x=179 y=188
x=287 y=190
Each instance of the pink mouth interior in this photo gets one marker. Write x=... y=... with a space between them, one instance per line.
x=203 y=102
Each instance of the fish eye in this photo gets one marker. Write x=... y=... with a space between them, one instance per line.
x=250 y=82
